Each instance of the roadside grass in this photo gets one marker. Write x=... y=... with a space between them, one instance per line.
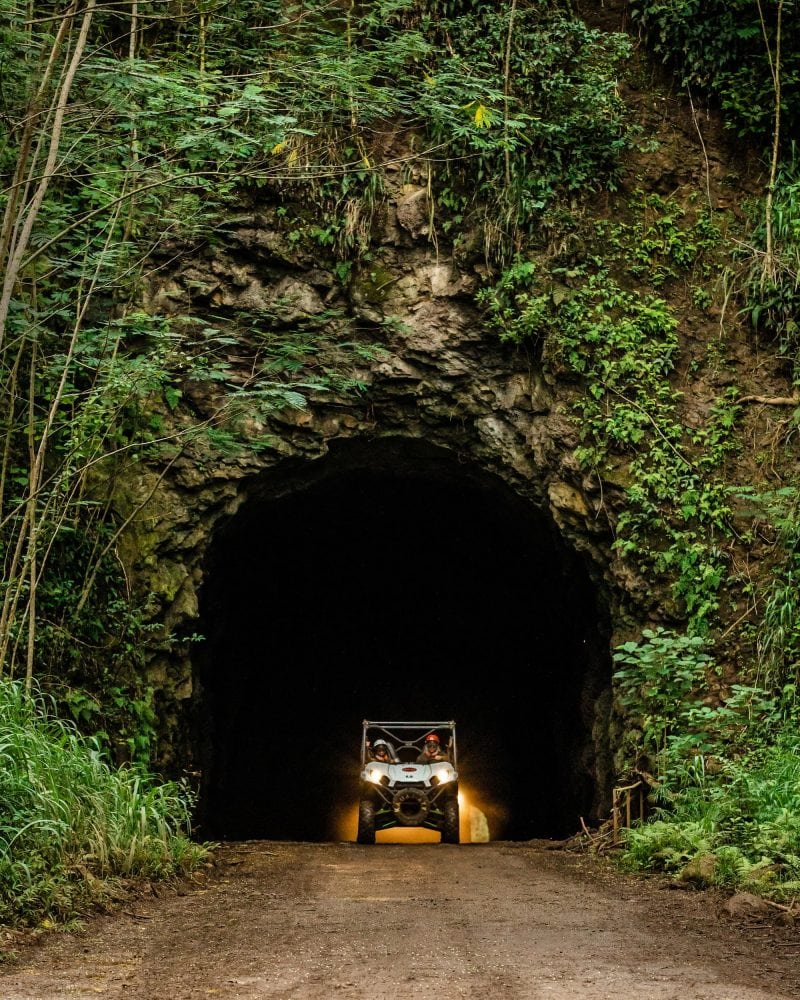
x=71 y=824
x=725 y=777
x=735 y=825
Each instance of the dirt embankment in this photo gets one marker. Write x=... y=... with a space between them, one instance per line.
x=497 y=920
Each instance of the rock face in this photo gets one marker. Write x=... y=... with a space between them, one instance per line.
x=434 y=383
x=431 y=381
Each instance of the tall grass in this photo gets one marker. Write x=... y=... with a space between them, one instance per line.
x=743 y=816
x=770 y=283
x=70 y=823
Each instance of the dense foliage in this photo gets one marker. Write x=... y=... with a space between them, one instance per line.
x=132 y=135
x=720 y=758
x=146 y=130
x=770 y=289
x=744 y=56
x=622 y=346
x=70 y=823
x=725 y=776
x=728 y=51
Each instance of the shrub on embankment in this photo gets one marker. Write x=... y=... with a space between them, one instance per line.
x=70 y=823
x=724 y=776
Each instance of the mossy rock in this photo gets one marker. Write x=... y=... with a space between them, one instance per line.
x=700 y=871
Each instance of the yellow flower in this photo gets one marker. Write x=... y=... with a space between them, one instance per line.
x=484 y=117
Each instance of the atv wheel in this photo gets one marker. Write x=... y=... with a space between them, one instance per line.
x=366 y=822
x=410 y=806
x=450 y=826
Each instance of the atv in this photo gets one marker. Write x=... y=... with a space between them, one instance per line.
x=400 y=790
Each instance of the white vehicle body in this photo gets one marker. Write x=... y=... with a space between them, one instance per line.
x=437 y=773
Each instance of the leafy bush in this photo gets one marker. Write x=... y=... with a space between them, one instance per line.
x=746 y=816
x=622 y=345
x=726 y=776
x=770 y=287
x=525 y=114
x=658 y=680
x=664 y=846
x=777 y=513
x=718 y=47
x=69 y=823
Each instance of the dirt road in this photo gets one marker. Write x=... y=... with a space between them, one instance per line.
x=495 y=921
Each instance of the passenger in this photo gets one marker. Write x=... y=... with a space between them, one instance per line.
x=382 y=752
x=432 y=750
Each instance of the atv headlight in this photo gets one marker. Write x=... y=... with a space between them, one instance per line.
x=444 y=777
x=375 y=776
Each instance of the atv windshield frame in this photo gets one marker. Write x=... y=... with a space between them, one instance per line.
x=407 y=739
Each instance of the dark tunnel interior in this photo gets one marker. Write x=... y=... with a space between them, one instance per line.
x=410 y=589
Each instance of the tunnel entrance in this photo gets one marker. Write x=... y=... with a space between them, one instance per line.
x=395 y=582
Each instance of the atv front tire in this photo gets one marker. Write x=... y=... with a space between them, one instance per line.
x=366 y=822
x=450 y=826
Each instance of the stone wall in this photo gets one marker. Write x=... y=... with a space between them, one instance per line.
x=434 y=376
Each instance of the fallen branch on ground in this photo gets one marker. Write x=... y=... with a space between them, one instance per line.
x=772 y=400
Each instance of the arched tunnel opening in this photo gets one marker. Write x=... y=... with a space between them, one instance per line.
x=394 y=582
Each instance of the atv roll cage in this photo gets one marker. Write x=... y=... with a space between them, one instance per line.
x=406 y=739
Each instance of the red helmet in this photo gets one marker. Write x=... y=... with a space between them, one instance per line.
x=431 y=738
